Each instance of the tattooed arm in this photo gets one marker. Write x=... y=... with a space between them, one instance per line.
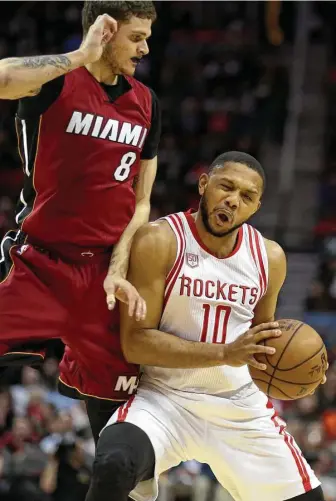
x=24 y=76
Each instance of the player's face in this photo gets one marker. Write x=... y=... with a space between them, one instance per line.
x=230 y=196
x=128 y=46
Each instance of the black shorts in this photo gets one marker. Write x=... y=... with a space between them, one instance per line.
x=99 y=412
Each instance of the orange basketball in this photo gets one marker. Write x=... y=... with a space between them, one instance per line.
x=298 y=365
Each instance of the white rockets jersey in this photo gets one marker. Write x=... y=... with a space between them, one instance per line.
x=210 y=300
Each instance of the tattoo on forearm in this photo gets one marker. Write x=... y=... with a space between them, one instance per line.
x=58 y=61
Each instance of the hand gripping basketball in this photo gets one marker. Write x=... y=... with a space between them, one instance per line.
x=243 y=349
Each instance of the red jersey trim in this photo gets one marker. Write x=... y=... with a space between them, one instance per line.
x=176 y=222
x=253 y=253
x=261 y=261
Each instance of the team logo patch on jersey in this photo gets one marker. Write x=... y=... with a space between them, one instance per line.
x=192 y=260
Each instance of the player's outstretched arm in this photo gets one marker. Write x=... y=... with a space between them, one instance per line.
x=277 y=268
x=24 y=76
x=152 y=256
x=121 y=252
x=120 y=256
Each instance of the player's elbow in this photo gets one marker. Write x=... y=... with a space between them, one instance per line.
x=10 y=87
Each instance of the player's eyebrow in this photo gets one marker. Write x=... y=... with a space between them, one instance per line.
x=248 y=190
x=143 y=33
x=252 y=190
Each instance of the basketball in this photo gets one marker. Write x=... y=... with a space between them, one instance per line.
x=298 y=365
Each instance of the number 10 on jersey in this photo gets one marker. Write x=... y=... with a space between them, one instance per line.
x=215 y=321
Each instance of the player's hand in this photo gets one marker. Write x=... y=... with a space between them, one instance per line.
x=100 y=33
x=324 y=379
x=243 y=349
x=117 y=287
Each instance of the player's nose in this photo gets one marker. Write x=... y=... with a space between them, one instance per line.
x=143 y=48
x=232 y=201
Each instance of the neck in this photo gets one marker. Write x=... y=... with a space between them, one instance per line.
x=220 y=246
x=102 y=72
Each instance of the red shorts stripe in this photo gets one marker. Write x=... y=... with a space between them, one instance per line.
x=289 y=441
x=305 y=475
x=123 y=410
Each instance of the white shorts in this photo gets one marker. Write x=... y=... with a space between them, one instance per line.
x=242 y=439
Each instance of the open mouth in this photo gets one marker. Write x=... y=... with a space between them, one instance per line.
x=136 y=60
x=223 y=217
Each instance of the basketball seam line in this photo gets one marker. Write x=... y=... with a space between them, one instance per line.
x=304 y=361
x=294 y=382
x=279 y=389
x=282 y=354
x=266 y=354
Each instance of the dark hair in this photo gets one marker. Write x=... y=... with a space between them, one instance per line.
x=119 y=10
x=239 y=157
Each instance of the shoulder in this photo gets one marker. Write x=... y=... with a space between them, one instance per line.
x=153 y=240
x=274 y=251
x=277 y=263
x=156 y=234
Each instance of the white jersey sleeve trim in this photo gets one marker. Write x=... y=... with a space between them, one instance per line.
x=176 y=225
x=262 y=259
x=258 y=258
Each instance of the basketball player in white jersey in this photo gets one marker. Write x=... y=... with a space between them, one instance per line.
x=211 y=284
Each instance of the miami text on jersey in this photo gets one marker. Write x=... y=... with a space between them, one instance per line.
x=101 y=127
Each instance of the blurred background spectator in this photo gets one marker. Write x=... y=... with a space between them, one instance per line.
x=253 y=76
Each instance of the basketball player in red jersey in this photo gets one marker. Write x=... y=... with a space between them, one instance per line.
x=88 y=135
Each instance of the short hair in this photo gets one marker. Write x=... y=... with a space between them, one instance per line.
x=241 y=158
x=119 y=10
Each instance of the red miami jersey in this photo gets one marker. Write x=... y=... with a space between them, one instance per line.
x=81 y=143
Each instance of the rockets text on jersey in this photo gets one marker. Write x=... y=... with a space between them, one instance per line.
x=211 y=300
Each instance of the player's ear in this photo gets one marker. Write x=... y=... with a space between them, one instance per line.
x=202 y=183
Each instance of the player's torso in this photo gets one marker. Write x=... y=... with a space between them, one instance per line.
x=87 y=154
x=211 y=300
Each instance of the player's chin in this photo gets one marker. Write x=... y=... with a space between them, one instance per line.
x=129 y=69
x=217 y=231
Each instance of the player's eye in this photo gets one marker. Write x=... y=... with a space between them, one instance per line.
x=226 y=187
x=247 y=197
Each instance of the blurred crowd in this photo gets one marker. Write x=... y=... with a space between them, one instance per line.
x=318 y=413
x=221 y=86
x=46 y=447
